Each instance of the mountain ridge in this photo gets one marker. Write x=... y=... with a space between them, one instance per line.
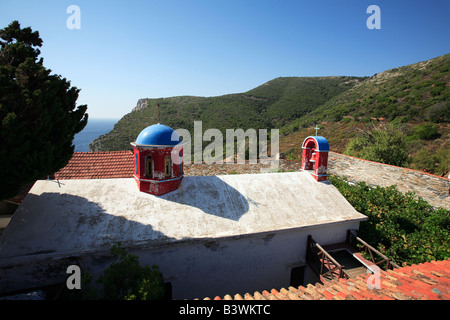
x=407 y=96
x=282 y=100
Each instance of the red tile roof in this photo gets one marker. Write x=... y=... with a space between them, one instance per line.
x=98 y=165
x=425 y=281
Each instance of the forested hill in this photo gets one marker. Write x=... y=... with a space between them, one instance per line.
x=419 y=91
x=271 y=105
x=414 y=98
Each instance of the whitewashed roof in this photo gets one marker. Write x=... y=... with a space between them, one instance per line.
x=80 y=215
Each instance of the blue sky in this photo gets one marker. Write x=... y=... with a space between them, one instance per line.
x=127 y=50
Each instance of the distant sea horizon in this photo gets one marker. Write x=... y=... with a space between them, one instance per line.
x=94 y=129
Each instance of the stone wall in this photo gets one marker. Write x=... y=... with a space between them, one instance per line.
x=435 y=190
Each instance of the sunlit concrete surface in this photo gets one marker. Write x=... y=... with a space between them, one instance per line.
x=85 y=215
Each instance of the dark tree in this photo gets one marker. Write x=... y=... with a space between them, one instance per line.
x=38 y=112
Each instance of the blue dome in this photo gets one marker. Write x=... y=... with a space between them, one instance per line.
x=158 y=135
x=321 y=143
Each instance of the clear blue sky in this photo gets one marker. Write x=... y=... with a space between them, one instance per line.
x=127 y=50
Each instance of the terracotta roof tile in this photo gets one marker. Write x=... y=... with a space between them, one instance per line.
x=269 y=296
x=415 y=282
x=259 y=296
x=356 y=295
x=328 y=294
x=98 y=165
x=248 y=296
x=289 y=294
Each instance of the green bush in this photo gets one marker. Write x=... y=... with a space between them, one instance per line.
x=439 y=112
x=427 y=131
x=424 y=161
x=127 y=280
x=124 y=279
x=382 y=144
x=436 y=163
x=402 y=226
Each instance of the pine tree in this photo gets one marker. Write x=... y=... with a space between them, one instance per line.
x=38 y=112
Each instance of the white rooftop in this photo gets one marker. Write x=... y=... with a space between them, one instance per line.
x=84 y=215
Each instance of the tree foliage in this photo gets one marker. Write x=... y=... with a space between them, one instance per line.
x=384 y=144
x=427 y=131
x=437 y=162
x=38 y=113
x=126 y=279
x=404 y=227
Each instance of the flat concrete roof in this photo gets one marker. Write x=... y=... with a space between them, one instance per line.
x=85 y=215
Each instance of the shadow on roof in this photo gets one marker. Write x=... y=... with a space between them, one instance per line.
x=212 y=195
x=62 y=222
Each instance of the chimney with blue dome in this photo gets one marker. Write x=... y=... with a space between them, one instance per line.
x=158 y=160
x=315 y=157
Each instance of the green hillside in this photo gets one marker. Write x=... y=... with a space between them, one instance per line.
x=271 y=105
x=418 y=91
x=414 y=98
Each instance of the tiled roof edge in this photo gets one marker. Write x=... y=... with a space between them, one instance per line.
x=424 y=281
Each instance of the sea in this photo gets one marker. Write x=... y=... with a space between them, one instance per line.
x=94 y=129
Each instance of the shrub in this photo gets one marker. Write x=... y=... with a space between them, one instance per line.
x=346 y=120
x=402 y=226
x=433 y=162
x=382 y=144
x=125 y=279
x=427 y=131
x=439 y=112
x=424 y=161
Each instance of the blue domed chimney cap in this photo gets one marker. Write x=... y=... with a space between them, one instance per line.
x=321 y=143
x=158 y=135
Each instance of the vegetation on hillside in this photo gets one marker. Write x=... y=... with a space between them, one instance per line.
x=271 y=105
x=418 y=91
x=404 y=227
x=431 y=155
x=413 y=100
x=384 y=144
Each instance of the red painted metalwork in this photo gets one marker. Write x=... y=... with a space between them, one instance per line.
x=315 y=157
x=151 y=175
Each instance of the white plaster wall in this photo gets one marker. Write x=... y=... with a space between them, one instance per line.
x=195 y=268
x=238 y=265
